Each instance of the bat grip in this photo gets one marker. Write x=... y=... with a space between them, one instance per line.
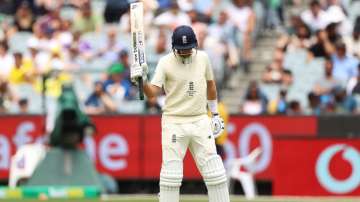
x=141 y=88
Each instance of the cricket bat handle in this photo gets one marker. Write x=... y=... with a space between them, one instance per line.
x=141 y=88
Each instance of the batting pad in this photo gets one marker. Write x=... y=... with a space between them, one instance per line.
x=170 y=180
x=218 y=193
x=213 y=171
x=171 y=173
x=214 y=175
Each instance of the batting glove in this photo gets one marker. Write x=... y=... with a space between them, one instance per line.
x=137 y=71
x=217 y=124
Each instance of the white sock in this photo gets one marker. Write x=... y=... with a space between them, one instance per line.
x=169 y=194
x=218 y=193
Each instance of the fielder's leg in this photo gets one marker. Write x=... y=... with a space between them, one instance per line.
x=174 y=146
x=203 y=149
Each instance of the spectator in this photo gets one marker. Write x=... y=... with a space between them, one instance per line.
x=164 y=4
x=38 y=37
x=21 y=72
x=57 y=61
x=274 y=16
x=345 y=66
x=63 y=36
x=84 y=49
x=324 y=86
x=50 y=23
x=172 y=18
x=205 y=7
x=314 y=107
x=274 y=71
x=7 y=96
x=99 y=101
x=335 y=14
x=198 y=17
x=294 y=108
x=220 y=45
x=45 y=6
x=124 y=59
x=38 y=59
x=201 y=31
x=353 y=86
x=86 y=20
x=315 y=17
x=333 y=33
x=301 y=40
x=318 y=48
x=54 y=82
x=6 y=60
x=221 y=29
x=116 y=86
x=244 y=19
x=24 y=18
x=343 y=104
x=255 y=101
x=286 y=78
x=76 y=3
x=353 y=42
x=124 y=63
x=73 y=62
x=295 y=22
x=23 y=106
x=278 y=105
x=112 y=46
x=159 y=48
x=114 y=9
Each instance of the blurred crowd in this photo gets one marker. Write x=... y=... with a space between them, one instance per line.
x=315 y=65
x=46 y=43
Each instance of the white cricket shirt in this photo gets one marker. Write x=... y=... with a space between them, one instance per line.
x=185 y=86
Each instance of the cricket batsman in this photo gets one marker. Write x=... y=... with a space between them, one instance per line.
x=187 y=78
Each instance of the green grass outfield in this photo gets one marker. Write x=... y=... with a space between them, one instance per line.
x=195 y=198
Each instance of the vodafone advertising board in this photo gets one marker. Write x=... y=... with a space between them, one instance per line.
x=129 y=147
x=317 y=167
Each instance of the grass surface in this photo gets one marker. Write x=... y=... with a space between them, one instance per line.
x=194 y=198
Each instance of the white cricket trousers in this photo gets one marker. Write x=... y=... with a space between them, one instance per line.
x=198 y=137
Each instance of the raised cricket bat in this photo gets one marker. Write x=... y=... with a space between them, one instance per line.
x=137 y=39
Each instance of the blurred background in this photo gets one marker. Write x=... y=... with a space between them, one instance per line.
x=287 y=73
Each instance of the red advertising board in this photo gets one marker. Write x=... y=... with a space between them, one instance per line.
x=116 y=148
x=129 y=147
x=14 y=132
x=249 y=132
x=316 y=167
